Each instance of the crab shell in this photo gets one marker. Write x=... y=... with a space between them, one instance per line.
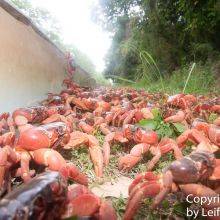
x=44 y=136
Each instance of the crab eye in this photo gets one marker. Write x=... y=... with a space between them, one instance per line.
x=205 y=162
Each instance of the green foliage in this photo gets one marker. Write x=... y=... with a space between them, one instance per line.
x=163 y=129
x=174 y=33
x=189 y=75
x=212 y=117
x=119 y=206
x=81 y=155
x=202 y=81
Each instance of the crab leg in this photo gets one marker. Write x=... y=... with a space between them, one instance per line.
x=216 y=173
x=143 y=186
x=178 y=117
x=7 y=155
x=55 y=162
x=128 y=161
x=109 y=139
x=25 y=164
x=157 y=155
x=78 y=138
x=167 y=187
x=193 y=135
x=104 y=128
x=96 y=155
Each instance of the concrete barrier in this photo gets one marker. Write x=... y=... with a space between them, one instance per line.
x=30 y=64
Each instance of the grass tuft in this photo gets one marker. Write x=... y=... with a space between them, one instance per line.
x=201 y=81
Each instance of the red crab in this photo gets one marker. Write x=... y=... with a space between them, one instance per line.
x=184 y=175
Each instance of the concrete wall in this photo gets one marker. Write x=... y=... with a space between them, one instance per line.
x=30 y=66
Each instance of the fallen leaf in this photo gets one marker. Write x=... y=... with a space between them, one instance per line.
x=118 y=188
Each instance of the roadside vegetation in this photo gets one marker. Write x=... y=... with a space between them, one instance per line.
x=200 y=81
x=155 y=44
x=152 y=48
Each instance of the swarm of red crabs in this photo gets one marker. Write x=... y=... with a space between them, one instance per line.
x=32 y=139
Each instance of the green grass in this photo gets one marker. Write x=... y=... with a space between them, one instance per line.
x=101 y=80
x=200 y=80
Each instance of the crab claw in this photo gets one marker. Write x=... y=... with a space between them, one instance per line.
x=96 y=155
x=192 y=135
x=178 y=117
x=71 y=171
x=54 y=161
x=148 y=176
x=7 y=139
x=214 y=134
x=55 y=118
x=77 y=138
x=148 y=185
x=148 y=137
x=86 y=127
x=128 y=161
x=81 y=202
x=168 y=144
x=106 y=211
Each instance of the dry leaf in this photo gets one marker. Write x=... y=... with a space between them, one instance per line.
x=118 y=188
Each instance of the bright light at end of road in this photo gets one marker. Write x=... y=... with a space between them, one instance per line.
x=77 y=28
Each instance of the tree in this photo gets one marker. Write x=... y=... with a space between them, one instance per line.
x=173 y=32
